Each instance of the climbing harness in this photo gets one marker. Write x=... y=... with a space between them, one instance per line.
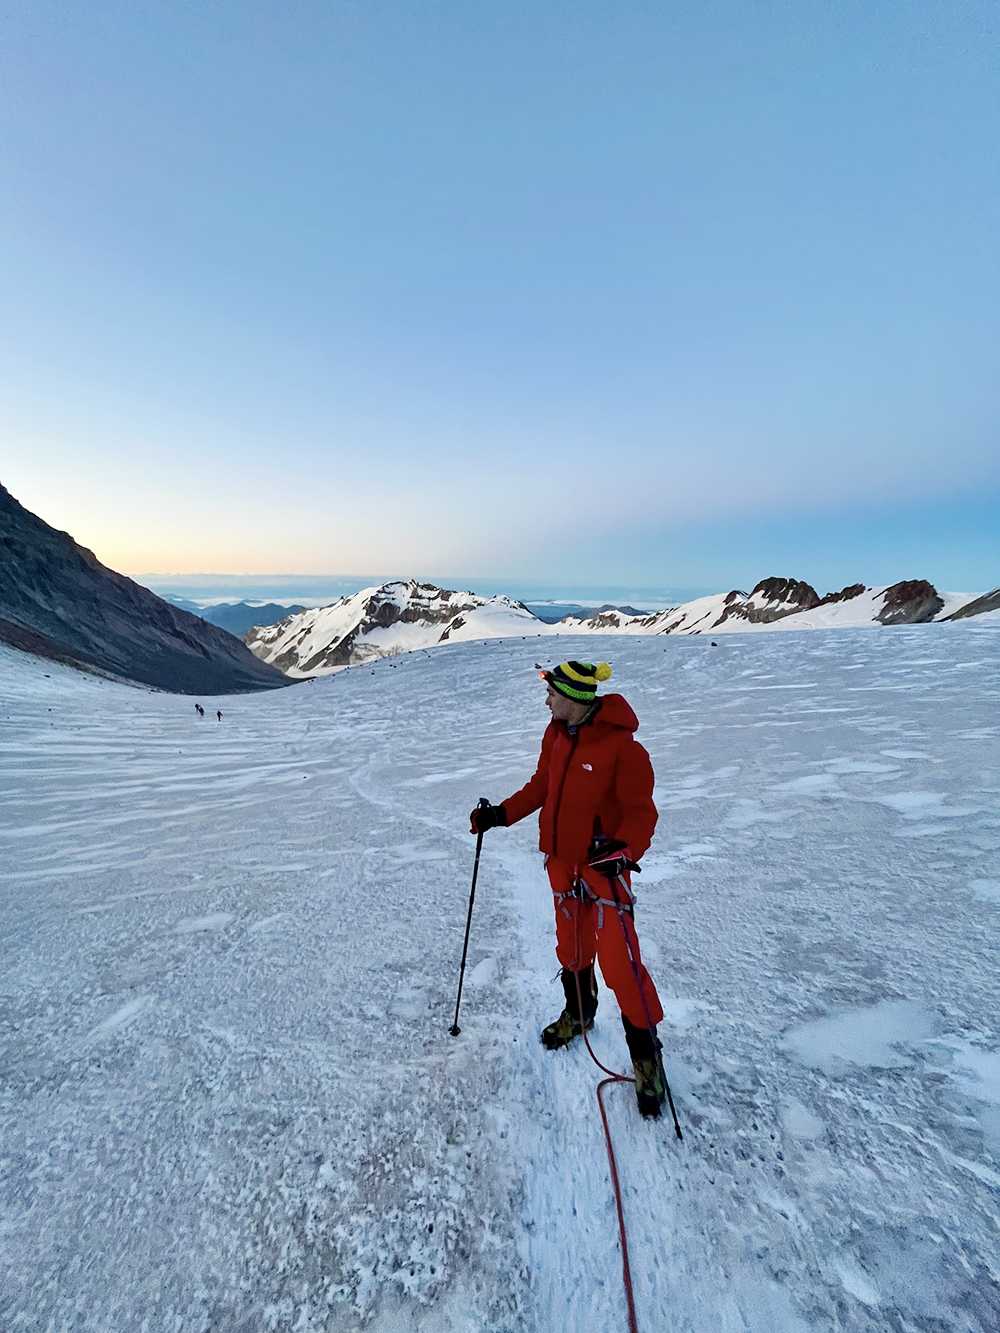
x=584 y=892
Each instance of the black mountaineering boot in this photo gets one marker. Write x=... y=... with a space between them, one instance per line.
x=568 y=1025
x=647 y=1064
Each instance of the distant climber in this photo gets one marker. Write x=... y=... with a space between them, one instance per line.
x=594 y=787
x=199 y=710
x=219 y=714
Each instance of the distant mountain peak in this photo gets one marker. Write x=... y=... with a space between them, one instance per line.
x=400 y=616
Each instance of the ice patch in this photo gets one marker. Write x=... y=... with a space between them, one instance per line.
x=123 y=1015
x=409 y=1002
x=266 y=922
x=977 y=1072
x=277 y=869
x=483 y=973
x=910 y=804
x=857 y=766
x=192 y=925
x=745 y=814
x=782 y=1206
x=986 y=889
x=855 y=1282
x=449 y=777
x=696 y=851
x=408 y=854
x=799 y=1121
x=905 y=754
x=812 y=784
x=861 y=1037
x=680 y=1012
x=760 y=1307
x=656 y=869
x=920 y=804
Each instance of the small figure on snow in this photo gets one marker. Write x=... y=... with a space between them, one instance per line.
x=594 y=788
x=219 y=714
x=199 y=710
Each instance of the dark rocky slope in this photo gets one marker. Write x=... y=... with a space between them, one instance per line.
x=990 y=601
x=58 y=601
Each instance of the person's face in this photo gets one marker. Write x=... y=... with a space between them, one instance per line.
x=563 y=709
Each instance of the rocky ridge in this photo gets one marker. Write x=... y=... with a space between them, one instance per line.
x=793 y=603
x=405 y=616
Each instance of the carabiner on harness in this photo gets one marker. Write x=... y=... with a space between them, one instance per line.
x=586 y=893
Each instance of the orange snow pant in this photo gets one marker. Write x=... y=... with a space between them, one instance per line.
x=587 y=929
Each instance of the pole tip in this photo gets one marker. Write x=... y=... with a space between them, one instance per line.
x=455 y=1030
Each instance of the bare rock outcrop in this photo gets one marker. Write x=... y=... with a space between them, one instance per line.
x=845 y=595
x=771 y=599
x=913 y=602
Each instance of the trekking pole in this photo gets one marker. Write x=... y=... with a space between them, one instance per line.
x=455 y=1029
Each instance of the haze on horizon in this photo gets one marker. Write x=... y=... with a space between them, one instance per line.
x=586 y=294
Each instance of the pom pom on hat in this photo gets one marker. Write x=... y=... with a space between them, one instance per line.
x=577 y=680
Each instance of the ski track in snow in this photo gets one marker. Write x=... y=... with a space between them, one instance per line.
x=229 y=1100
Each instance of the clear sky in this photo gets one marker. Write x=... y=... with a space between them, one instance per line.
x=650 y=293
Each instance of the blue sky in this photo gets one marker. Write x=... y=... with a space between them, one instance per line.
x=648 y=294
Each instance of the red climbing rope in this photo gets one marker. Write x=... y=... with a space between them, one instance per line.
x=633 y=1326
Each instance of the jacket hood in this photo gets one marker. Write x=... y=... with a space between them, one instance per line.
x=615 y=712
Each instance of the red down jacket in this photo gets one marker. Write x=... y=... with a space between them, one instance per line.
x=598 y=781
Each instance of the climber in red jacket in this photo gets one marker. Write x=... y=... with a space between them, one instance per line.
x=594 y=788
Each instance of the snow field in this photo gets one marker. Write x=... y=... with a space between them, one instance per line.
x=229 y=1100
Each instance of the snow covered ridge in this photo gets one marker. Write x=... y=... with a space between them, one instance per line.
x=402 y=617
x=777 y=603
x=380 y=622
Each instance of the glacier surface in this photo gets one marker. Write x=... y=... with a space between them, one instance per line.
x=229 y=1100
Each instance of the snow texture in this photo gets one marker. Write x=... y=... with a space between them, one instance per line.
x=229 y=1097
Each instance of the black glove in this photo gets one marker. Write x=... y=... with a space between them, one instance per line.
x=610 y=857
x=486 y=817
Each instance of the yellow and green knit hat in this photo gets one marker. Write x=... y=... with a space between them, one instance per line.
x=578 y=680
